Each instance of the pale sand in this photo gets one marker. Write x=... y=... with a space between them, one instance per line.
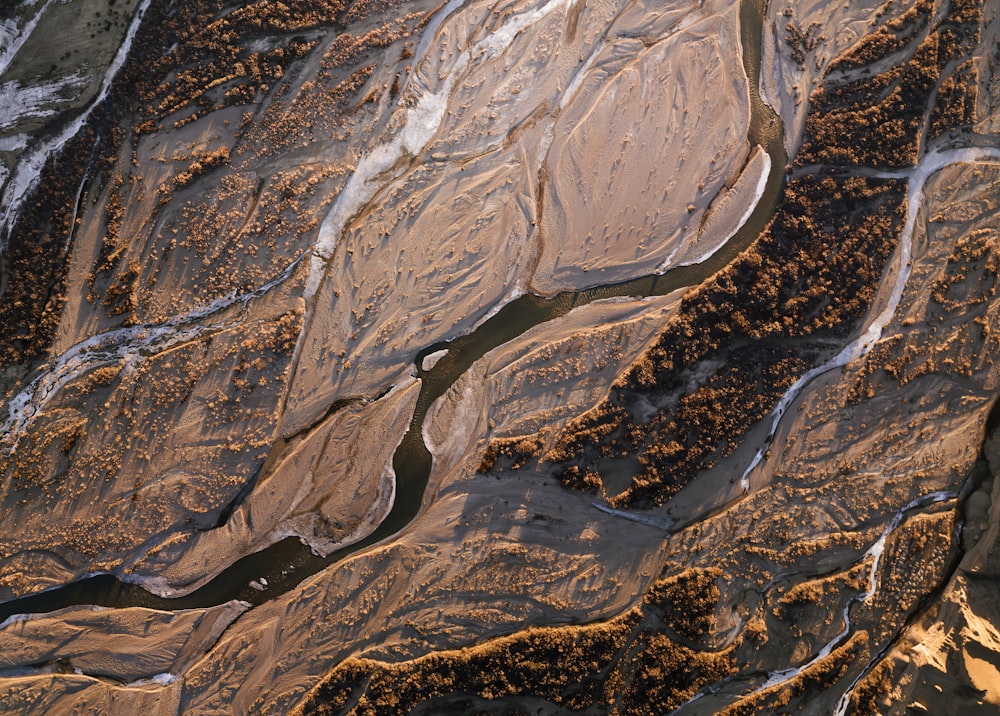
x=634 y=202
x=822 y=472
x=729 y=211
x=579 y=565
x=331 y=487
x=534 y=384
x=411 y=269
x=582 y=565
x=467 y=224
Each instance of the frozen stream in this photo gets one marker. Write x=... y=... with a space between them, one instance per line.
x=898 y=273
x=121 y=346
x=860 y=346
x=874 y=554
x=29 y=167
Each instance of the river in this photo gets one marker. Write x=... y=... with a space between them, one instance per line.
x=285 y=564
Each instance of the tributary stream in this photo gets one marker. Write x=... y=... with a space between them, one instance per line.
x=285 y=564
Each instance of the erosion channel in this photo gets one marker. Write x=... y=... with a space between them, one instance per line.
x=286 y=563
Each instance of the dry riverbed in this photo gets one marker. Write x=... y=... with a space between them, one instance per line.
x=743 y=495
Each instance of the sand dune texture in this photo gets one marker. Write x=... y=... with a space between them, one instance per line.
x=541 y=356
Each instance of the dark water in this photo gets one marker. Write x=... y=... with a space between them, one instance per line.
x=285 y=564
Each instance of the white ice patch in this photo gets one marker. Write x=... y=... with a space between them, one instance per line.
x=18 y=102
x=581 y=74
x=497 y=43
x=663 y=523
x=777 y=678
x=13 y=142
x=164 y=679
x=432 y=27
x=431 y=359
x=157 y=585
x=876 y=551
x=16 y=619
x=545 y=144
x=772 y=102
x=10 y=33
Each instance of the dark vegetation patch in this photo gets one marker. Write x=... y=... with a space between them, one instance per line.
x=625 y=663
x=878 y=120
x=736 y=344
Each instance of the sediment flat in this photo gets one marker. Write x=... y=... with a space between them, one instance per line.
x=292 y=270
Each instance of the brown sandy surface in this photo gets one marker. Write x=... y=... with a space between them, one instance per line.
x=314 y=193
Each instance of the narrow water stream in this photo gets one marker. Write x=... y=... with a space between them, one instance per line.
x=286 y=563
x=760 y=683
x=29 y=166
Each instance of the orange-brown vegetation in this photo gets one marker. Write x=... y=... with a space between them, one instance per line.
x=889 y=38
x=965 y=286
x=686 y=602
x=130 y=416
x=890 y=106
x=878 y=120
x=955 y=104
x=739 y=340
x=816 y=679
x=518 y=665
x=665 y=674
x=901 y=589
x=517 y=451
x=206 y=57
x=242 y=232
x=925 y=541
x=876 y=684
x=971 y=274
x=111 y=284
x=809 y=603
x=802 y=41
x=323 y=103
x=200 y=58
x=201 y=165
x=34 y=262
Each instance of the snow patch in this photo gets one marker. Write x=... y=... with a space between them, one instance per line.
x=164 y=679
x=157 y=585
x=12 y=38
x=19 y=101
x=431 y=359
x=13 y=142
x=29 y=169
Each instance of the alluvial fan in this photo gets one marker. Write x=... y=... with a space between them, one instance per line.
x=542 y=356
